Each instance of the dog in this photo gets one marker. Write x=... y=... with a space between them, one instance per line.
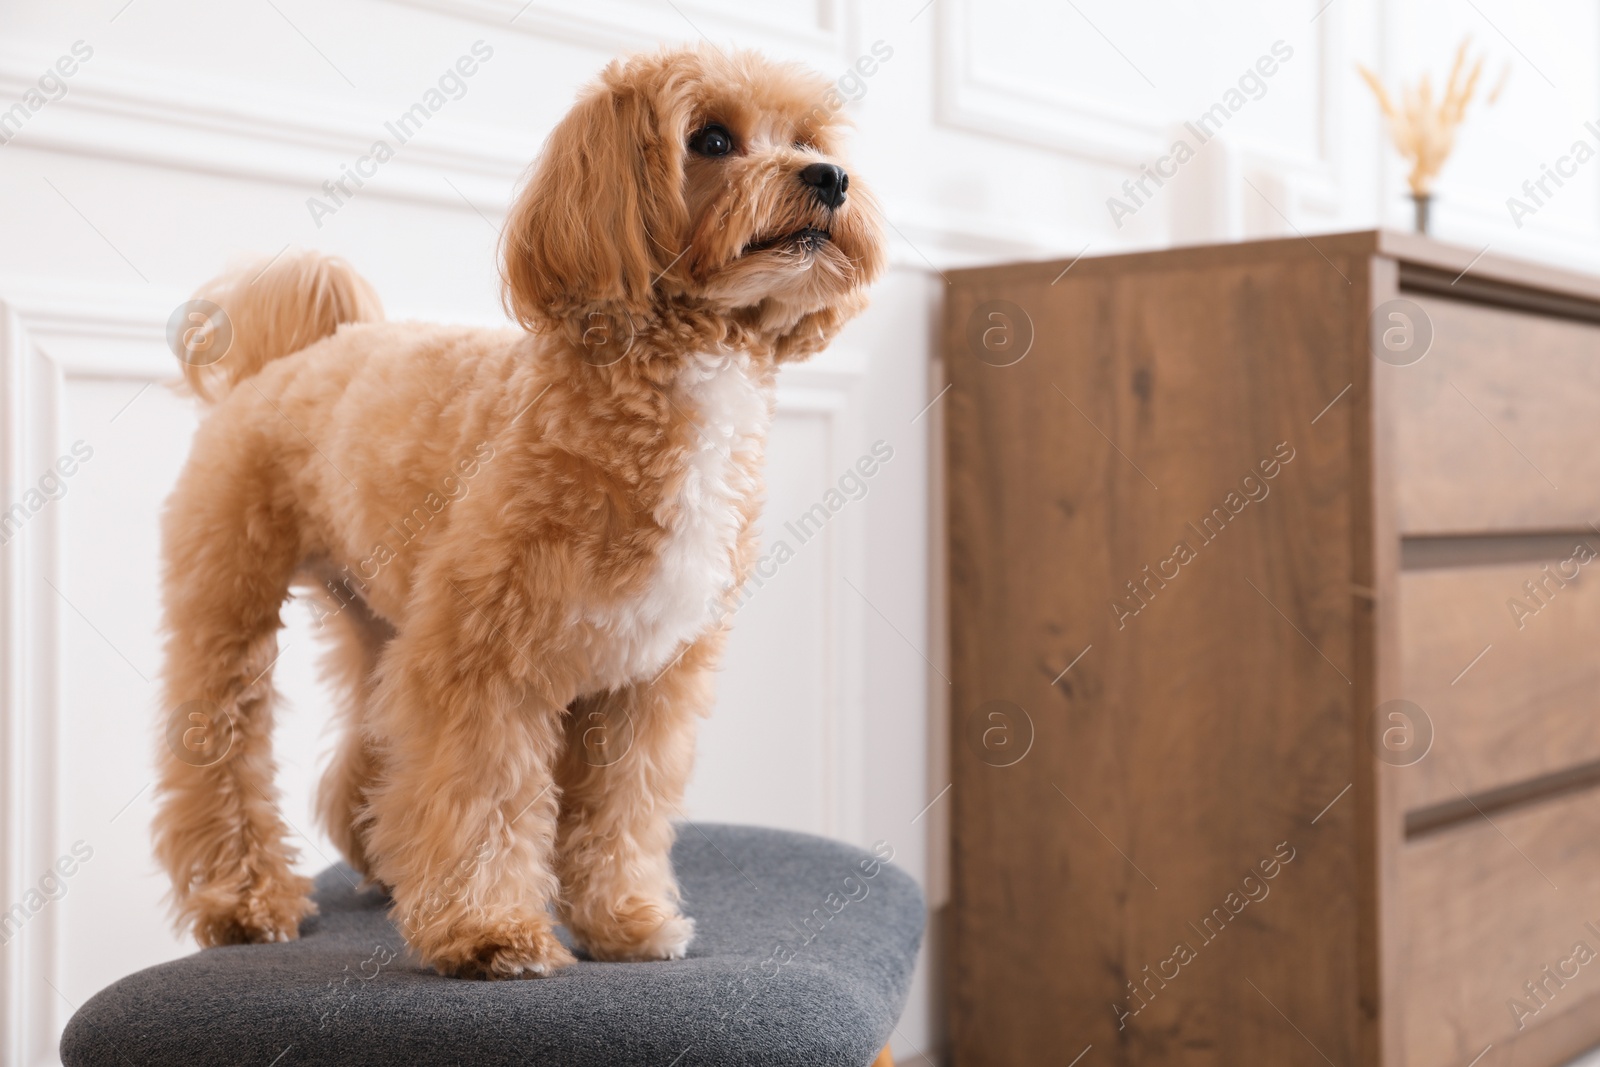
x=525 y=540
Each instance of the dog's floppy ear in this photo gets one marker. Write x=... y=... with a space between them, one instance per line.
x=604 y=200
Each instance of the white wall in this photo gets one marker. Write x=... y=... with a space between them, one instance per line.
x=196 y=132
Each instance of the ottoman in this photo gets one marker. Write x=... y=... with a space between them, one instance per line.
x=802 y=955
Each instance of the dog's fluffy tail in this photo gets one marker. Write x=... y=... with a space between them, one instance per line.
x=267 y=311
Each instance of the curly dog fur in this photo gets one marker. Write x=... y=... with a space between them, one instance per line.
x=523 y=539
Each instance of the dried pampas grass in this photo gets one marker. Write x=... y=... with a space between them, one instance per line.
x=1424 y=129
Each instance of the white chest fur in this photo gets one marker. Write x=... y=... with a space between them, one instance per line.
x=634 y=640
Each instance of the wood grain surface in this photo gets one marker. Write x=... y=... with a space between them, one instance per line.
x=1488 y=906
x=1170 y=644
x=1507 y=674
x=1498 y=423
x=1197 y=735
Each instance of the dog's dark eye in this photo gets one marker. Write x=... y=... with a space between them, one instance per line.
x=712 y=140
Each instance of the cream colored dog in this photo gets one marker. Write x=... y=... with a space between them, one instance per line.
x=524 y=537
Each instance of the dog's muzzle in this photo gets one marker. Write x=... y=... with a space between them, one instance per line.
x=828 y=183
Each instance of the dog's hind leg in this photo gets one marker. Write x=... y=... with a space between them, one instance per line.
x=357 y=639
x=230 y=545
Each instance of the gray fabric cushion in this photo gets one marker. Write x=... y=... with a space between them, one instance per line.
x=775 y=976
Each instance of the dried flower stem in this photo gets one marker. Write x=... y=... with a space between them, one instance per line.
x=1422 y=129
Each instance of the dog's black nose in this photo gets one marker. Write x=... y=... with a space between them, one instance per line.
x=827 y=181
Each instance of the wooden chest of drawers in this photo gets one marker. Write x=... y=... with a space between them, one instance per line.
x=1274 y=589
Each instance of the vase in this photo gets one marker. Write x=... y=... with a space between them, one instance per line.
x=1421 y=202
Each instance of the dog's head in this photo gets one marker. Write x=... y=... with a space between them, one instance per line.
x=693 y=183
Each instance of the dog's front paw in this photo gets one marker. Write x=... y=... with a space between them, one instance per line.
x=510 y=948
x=635 y=930
x=254 y=914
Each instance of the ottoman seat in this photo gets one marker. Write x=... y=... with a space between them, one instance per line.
x=802 y=955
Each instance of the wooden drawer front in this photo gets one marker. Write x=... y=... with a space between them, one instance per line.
x=1499 y=425
x=1530 y=705
x=1481 y=917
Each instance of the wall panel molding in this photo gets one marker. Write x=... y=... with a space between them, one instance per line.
x=632 y=25
x=31 y=1012
x=218 y=127
x=1068 y=123
x=138 y=115
x=831 y=387
x=1086 y=128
